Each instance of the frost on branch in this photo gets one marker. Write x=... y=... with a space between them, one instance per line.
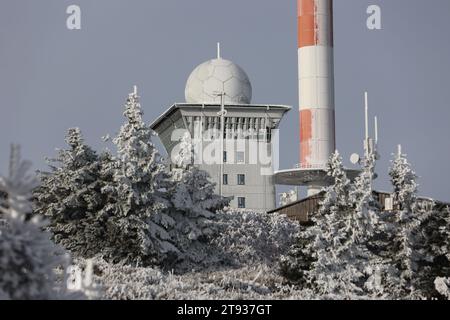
x=407 y=222
x=442 y=286
x=71 y=197
x=139 y=219
x=253 y=282
x=246 y=237
x=331 y=257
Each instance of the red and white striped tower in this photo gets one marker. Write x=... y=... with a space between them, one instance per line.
x=316 y=97
x=316 y=82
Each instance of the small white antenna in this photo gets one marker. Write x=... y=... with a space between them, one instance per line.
x=376 y=130
x=135 y=90
x=366 y=103
x=399 y=150
x=218 y=51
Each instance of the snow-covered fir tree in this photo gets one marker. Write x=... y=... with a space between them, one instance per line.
x=194 y=204
x=341 y=235
x=432 y=247
x=336 y=196
x=407 y=222
x=299 y=260
x=366 y=209
x=336 y=245
x=403 y=180
x=70 y=196
x=28 y=258
x=140 y=224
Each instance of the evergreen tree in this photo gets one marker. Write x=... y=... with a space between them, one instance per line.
x=28 y=258
x=407 y=221
x=302 y=257
x=339 y=261
x=139 y=225
x=71 y=197
x=433 y=247
x=366 y=210
x=194 y=204
x=342 y=234
x=336 y=196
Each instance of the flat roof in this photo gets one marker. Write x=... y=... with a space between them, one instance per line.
x=177 y=106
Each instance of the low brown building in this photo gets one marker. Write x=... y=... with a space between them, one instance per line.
x=302 y=210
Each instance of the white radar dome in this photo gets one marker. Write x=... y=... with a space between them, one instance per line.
x=216 y=76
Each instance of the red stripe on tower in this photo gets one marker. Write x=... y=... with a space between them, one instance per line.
x=316 y=82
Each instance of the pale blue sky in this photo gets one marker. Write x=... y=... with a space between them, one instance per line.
x=52 y=78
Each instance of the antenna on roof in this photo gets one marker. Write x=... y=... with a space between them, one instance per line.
x=366 y=125
x=135 y=90
x=218 y=51
x=366 y=107
x=376 y=130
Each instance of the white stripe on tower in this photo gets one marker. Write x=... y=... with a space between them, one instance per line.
x=316 y=82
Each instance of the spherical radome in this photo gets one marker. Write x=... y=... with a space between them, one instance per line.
x=216 y=76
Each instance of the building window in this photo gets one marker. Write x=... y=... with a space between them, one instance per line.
x=224 y=157
x=241 y=179
x=241 y=202
x=268 y=134
x=240 y=157
x=225 y=179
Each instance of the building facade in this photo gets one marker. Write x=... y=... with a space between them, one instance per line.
x=233 y=140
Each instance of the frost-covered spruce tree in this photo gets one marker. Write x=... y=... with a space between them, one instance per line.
x=28 y=258
x=433 y=248
x=408 y=220
x=366 y=209
x=194 y=204
x=139 y=226
x=369 y=232
x=421 y=243
x=403 y=179
x=341 y=234
x=70 y=196
x=299 y=260
x=336 y=196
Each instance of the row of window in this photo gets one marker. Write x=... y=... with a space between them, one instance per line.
x=240 y=179
x=240 y=157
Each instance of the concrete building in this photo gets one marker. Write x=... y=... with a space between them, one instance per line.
x=232 y=138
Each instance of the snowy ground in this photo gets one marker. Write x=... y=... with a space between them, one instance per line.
x=257 y=282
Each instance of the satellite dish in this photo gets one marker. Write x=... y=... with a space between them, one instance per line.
x=355 y=158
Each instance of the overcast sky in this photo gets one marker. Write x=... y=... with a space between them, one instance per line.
x=52 y=78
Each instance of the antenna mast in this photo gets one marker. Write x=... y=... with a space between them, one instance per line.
x=366 y=124
x=376 y=130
